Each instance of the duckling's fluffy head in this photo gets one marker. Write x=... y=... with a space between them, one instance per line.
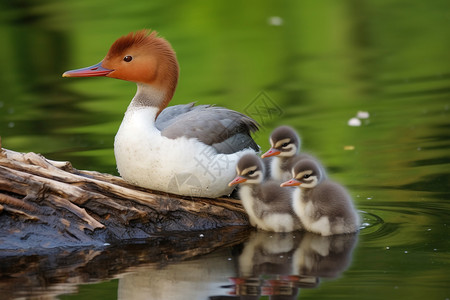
x=251 y=167
x=286 y=140
x=307 y=172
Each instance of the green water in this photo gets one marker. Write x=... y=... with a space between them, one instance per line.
x=314 y=64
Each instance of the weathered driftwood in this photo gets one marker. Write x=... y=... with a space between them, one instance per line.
x=46 y=203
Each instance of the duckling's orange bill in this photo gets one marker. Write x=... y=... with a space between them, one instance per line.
x=237 y=180
x=291 y=182
x=95 y=70
x=271 y=152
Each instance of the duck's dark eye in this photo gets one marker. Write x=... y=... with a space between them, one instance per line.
x=251 y=173
x=306 y=176
x=128 y=58
x=285 y=145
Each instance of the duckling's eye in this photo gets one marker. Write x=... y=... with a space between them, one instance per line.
x=128 y=58
x=306 y=176
x=251 y=173
x=284 y=145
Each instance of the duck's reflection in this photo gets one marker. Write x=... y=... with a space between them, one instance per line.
x=190 y=279
x=278 y=264
x=270 y=264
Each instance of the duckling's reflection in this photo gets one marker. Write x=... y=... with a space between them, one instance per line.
x=278 y=264
x=271 y=264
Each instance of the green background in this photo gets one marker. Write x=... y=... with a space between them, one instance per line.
x=316 y=64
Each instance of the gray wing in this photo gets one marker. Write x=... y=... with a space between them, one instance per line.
x=169 y=114
x=225 y=130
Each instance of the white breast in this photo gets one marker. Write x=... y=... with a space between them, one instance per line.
x=279 y=222
x=297 y=203
x=305 y=210
x=248 y=201
x=181 y=166
x=275 y=170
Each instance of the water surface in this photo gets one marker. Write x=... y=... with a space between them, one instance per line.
x=312 y=65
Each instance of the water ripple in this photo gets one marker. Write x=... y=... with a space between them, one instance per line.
x=373 y=226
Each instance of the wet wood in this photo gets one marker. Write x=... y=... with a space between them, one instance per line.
x=45 y=203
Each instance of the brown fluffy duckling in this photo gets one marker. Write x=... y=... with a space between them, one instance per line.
x=284 y=152
x=323 y=206
x=268 y=206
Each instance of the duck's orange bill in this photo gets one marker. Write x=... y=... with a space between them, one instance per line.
x=237 y=180
x=271 y=152
x=95 y=70
x=291 y=182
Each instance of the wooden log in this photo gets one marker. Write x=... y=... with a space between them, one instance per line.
x=45 y=203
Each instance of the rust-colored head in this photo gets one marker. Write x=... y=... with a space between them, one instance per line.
x=141 y=57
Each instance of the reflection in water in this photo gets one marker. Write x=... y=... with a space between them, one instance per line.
x=186 y=266
x=192 y=279
x=278 y=264
x=386 y=57
x=275 y=264
x=57 y=271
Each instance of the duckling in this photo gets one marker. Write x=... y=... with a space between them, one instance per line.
x=268 y=206
x=323 y=206
x=284 y=152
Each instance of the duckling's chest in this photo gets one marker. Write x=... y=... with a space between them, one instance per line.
x=279 y=169
x=303 y=206
x=248 y=198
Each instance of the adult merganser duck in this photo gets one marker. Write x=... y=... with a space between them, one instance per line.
x=268 y=206
x=183 y=149
x=284 y=153
x=323 y=206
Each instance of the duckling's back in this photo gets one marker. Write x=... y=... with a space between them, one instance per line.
x=333 y=201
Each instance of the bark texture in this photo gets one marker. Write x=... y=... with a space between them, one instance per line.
x=45 y=203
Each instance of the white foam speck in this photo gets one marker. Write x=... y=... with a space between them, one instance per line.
x=362 y=115
x=354 y=122
x=275 y=21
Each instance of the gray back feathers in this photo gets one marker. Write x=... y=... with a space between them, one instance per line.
x=225 y=130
